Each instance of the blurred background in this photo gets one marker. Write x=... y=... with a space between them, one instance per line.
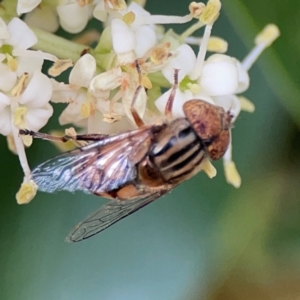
x=205 y=240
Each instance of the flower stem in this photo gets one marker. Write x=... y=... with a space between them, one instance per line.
x=57 y=46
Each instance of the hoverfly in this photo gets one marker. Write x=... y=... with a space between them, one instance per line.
x=136 y=167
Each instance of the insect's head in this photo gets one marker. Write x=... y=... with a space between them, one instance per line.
x=211 y=123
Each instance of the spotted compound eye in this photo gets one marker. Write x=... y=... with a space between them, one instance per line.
x=211 y=123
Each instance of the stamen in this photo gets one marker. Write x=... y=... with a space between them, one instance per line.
x=85 y=110
x=20 y=86
x=21 y=153
x=196 y=9
x=12 y=63
x=246 y=104
x=117 y=4
x=201 y=54
x=26 y=192
x=19 y=116
x=263 y=40
x=60 y=66
x=211 y=12
x=208 y=168
x=83 y=3
x=231 y=173
x=146 y=82
x=129 y=18
x=161 y=19
x=216 y=44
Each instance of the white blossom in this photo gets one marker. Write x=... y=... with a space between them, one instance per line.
x=80 y=15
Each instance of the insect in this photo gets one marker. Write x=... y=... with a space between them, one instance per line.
x=136 y=167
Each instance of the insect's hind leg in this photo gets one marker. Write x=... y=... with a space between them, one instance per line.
x=64 y=138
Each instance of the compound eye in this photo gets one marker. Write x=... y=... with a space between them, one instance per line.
x=219 y=145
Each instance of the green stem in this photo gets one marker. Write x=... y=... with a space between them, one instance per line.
x=57 y=46
x=190 y=31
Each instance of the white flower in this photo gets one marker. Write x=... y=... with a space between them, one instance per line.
x=15 y=58
x=25 y=107
x=80 y=15
x=29 y=108
x=75 y=93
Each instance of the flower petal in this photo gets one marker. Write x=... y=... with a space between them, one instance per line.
x=106 y=81
x=79 y=19
x=83 y=71
x=184 y=61
x=99 y=12
x=145 y=39
x=244 y=80
x=21 y=36
x=229 y=103
x=29 y=64
x=123 y=38
x=7 y=78
x=179 y=100
x=72 y=113
x=25 y=6
x=219 y=75
x=4 y=101
x=140 y=103
x=38 y=92
x=36 y=118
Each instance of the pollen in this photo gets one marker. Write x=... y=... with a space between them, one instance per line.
x=246 y=104
x=160 y=53
x=129 y=18
x=232 y=175
x=27 y=140
x=12 y=63
x=146 y=82
x=83 y=3
x=268 y=35
x=85 y=110
x=19 y=88
x=216 y=44
x=196 y=8
x=111 y=118
x=11 y=144
x=210 y=12
x=208 y=168
x=60 y=66
x=194 y=88
x=117 y=4
x=19 y=116
x=26 y=192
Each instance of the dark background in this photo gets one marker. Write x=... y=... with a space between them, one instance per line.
x=206 y=240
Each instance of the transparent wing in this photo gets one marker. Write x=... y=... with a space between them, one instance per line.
x=109 y=214
x=99 y=167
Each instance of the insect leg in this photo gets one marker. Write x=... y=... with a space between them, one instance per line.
x=139 y=122
x=169 y=105
x=64 y=138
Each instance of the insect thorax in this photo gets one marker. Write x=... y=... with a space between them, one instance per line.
x=175 y=154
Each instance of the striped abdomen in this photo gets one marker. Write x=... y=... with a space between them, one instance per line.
x=177 y=152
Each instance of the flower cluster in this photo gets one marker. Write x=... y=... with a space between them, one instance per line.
x=104 y=79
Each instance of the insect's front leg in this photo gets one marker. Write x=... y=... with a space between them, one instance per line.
x=64 y=138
